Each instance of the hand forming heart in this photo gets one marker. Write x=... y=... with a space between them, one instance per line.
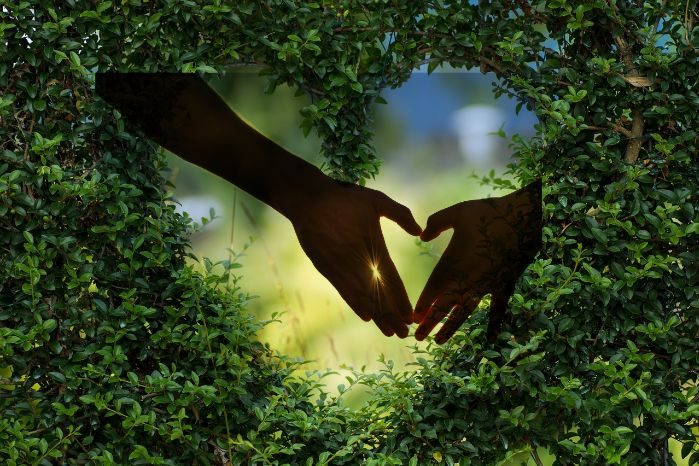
x=337 y=224
x=494 y=241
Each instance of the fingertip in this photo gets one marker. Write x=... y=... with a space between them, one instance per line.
x=400 y=322
x=436 y=224
x=415 y=228
x=411 y=226
x=407 y=221
x=397 y=300
x=399 y=213
x=383 y=325
x=424 y=329
x=443 y=336
x=360 y=310
x=402 y=332
x=397 y=325
x=428 y=235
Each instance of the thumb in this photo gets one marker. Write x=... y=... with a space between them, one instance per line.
x=437 y=223
x=398 y=213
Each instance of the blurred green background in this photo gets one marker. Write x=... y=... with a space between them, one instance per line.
x=435 y=132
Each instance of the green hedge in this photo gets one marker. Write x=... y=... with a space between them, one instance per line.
x=114 y=351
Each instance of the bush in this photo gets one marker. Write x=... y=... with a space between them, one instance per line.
x=114 y=351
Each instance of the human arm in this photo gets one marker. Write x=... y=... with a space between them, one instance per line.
x=337 y=224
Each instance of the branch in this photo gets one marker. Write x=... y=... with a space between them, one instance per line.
x=625 y=54
x=633 y=148
x=616 y=128
x=246 y=64
x=490 y=65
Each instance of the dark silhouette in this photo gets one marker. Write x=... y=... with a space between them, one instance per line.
x=337 y=224
x=494 y=240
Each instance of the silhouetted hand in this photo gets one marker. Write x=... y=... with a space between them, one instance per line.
x=341 y=234
x=494 y=240
x=337 y=224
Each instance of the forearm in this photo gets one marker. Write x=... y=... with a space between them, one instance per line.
x=184 y=115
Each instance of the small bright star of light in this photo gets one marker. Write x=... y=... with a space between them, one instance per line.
x=375 y=271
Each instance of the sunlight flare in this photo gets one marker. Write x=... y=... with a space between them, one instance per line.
x=375 y=271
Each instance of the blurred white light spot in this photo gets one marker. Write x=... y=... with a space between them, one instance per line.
x=198 y=207
x=473 y=125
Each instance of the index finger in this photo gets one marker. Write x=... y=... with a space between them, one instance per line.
x=457 y=317
x=441 y=279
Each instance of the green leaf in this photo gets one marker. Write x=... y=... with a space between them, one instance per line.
x=206 y=69
x=57 y=376
x=313 y=47
x=49 y=324
x=599 y=235
x=74 y=58
x=39 y=105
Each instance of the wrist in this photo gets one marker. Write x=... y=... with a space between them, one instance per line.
x=301 y=191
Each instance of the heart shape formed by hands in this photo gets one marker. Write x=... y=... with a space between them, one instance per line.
x=337 y=224
x=494 y=240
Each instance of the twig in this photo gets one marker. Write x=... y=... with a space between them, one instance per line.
x=490 y=65
x=616 y=128
x=619 y=128
x=565 y=227
x=36 y=431
x=31 y=129
x=536 y=457
x=55 y=445
x=246 y=64
x=44 y=429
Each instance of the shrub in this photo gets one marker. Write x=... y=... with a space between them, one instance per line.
x=113 y=350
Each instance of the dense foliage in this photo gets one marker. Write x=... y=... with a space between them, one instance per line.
x=114 y=351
